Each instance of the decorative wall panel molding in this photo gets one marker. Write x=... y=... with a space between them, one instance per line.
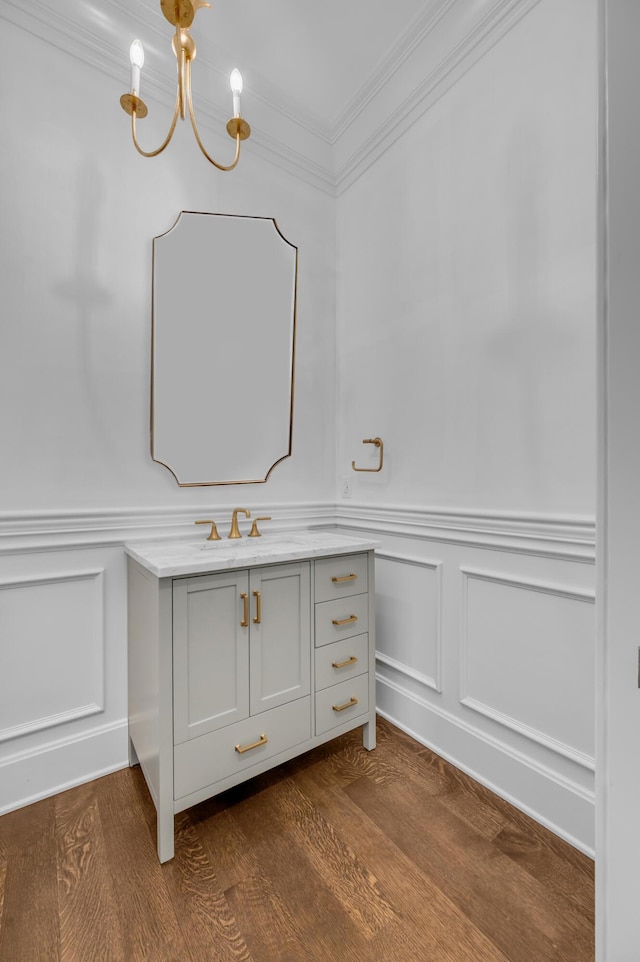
x=527 y=659
x=50 y=721
x=580 y=758
x=52 y=658
x=405 y=631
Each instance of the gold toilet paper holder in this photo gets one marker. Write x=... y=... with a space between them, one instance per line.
x=378 y=443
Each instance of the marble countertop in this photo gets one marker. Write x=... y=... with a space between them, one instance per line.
x=168 y=559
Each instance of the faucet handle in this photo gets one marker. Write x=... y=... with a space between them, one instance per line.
x=213 y=534
x=254 y=533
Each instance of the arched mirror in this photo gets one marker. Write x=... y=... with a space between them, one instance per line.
x=223 y=348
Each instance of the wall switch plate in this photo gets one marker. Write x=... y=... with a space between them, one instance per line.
x=346 y=487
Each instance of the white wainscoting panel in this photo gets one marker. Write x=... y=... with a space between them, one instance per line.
x=409 y=616
x=511 y=701
x=527 y=659
x=52 y=653
x=63 y=666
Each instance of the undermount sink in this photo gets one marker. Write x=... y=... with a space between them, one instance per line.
x=264 y=544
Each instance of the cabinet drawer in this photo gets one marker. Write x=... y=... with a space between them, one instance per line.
x=330 y=710
x=341 y=660
x=341 y=618
x=341 y=576
x=205 y=760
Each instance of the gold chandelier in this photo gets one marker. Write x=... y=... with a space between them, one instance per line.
x=181 y=13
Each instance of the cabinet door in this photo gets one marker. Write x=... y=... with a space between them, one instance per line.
x=210 y=653
x=280 y=635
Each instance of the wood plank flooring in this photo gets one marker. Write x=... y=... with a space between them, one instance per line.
x=339 y=856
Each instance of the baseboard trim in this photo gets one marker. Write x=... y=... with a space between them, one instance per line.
x=565 y=807
x=46 y=770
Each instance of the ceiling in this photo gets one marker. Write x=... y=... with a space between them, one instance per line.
x=316 y=55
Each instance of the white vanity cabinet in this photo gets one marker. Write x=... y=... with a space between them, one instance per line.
x=241 y=679
x=233 y=670
x=241 y=645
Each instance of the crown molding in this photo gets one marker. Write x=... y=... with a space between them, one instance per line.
x=468 y=41
x=420 y=27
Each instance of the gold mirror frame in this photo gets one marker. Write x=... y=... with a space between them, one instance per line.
x=224 y=302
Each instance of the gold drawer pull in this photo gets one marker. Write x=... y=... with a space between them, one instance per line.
x=245 y=621
x=345 y=621
x=337 y=581
x=247 y=748
x=343 y=664
x=352 y=701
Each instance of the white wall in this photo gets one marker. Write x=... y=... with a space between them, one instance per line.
x=466 y=340
x=78 y=221
x=79 y=209
x=467 y=285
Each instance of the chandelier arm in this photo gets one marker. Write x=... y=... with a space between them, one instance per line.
x=154 y=153
x=180 y=57
x=197 y=135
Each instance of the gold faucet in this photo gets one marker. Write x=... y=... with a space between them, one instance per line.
x=235 y=530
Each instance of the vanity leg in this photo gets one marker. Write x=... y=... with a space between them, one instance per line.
x=165 y=836
x=369 y=734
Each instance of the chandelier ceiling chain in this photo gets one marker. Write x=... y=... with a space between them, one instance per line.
x=181 y=13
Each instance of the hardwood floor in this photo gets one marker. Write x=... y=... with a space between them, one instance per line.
x=339 y=856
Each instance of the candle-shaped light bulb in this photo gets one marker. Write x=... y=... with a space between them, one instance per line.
x=136 y=56
x=235 y=82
